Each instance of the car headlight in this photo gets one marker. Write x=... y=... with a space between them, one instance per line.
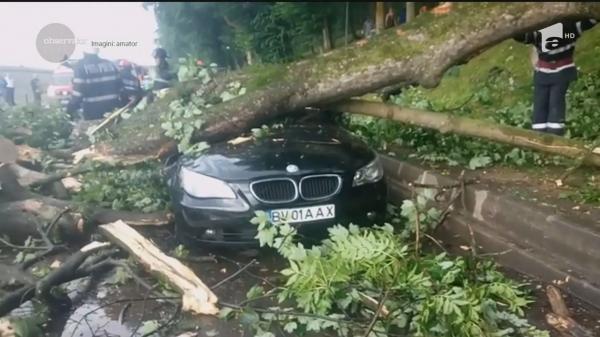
x=371 y=173
x=201 y=186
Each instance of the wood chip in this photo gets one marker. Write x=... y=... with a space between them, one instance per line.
x=239 y=140
x=72 y=184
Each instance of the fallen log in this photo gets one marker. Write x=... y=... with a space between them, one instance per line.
x=560 y=318
x=196 y=296
x=8 y=151
x=25 y=176
x=28 y=154
x=53 y=177
x=421 y=54
x=557 y=302
x=446 y=123
x=22 y=217
x=567 y=326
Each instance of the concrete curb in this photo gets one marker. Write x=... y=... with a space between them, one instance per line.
x=536 y=241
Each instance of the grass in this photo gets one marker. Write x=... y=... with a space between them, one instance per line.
x=463 y=81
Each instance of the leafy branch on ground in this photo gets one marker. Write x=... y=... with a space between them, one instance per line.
x=328 y=287
x=137 y=188
x=45 y=128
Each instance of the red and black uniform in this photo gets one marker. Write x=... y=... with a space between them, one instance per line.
x=132 y=88
x=554 y=71
x=96 y=87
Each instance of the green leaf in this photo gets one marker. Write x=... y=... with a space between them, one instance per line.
x=290 y=327
x=227 y=96
x=212 y=333
x=26 y=327
x=266 y=236
x=264 y=334
x=478 y=162
x=119 y=276
x=249 y=317
x=260 y=217
x=254 y=292
x=148 y=327
x=226 y=313
x=313 y=325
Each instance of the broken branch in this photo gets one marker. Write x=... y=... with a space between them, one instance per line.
x=196 y=296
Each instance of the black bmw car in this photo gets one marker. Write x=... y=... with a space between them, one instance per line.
x=311 y=175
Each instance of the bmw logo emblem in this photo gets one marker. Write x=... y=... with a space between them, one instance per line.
x=292 y=168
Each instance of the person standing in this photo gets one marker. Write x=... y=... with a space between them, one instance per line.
x=96 y=86
x=162 y=75
x=390 y=18
x=131 y=89
x=554 y=71
x=37 y=91
x=2 y=89
x=368 y=28
x=9 y=92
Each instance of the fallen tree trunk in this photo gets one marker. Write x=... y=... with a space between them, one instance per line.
x=419 y=53
x=23 y=212
x=196 y=296
x=22 y=217
x=446 y=123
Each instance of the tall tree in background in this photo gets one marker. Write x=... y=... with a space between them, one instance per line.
x=379 y=15
x=410 y=11
x=234 y=34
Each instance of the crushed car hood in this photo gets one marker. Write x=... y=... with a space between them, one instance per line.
x=312 y=148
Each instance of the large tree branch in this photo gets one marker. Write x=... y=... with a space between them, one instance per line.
x=447 y=123
x=419 y=53
x=196 y=296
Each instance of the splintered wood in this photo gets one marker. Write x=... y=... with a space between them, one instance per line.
x=196 y=296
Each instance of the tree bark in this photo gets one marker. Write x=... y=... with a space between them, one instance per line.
x=327 y=45
x=379 y=16
x=420 y=55
x=560 y=319
x=410 y=11
x=196 y=296
x=249 y=57
x=446 y=123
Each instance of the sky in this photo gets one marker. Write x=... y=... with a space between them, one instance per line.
x=20 y=24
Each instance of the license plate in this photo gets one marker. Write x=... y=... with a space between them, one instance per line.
x=302 y=214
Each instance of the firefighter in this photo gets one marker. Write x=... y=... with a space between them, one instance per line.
x=131 y=88
x=554 y=71
x=162 y=75
x=96 y=86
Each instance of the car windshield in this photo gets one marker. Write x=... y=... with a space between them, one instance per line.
x=61 y=79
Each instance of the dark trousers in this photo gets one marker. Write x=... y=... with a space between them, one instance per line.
x=9 y=96
x=549 y=106
x=37 y=99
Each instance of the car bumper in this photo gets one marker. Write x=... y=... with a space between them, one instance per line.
x=230 y=225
